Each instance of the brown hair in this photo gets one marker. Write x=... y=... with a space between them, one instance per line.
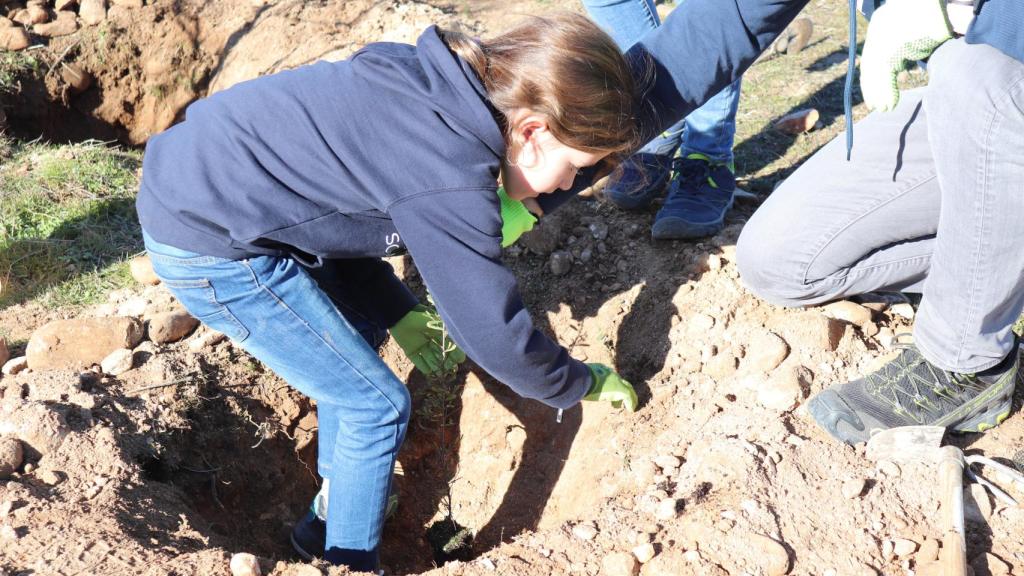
x=564 y=68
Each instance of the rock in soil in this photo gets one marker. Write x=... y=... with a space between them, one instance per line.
x=848 y=312
x=80 y=342
x=644 y=552
x=619 y=564
x=11 y=455
x=853 y=488
x=142 y=270
x=774 y=558
x=14 y=365
x=66 y=23
x=92 y=12
x=37 y=425
x=765 y=352
x=782 y=391
x=244 y=564
x=118 y=362
x=14 y=39
x=797 y=122
x=171 y=326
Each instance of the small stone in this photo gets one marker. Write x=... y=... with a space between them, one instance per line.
x=888 y=468
x=142 y=270
x=853 y=488
x=887 y=549
x=584 y=531
x=14 y=39
x=244 y=564
x=7 y=532
x=171 y=326
x=560 y=263
x=870 y=329
x=668 y=462
x=619 y=564
x=50 y=477
x=64 y=4
x=720 y=366
x=977 y=506
x=903 y=310
x=714 y=262
x=765 y=352
x=14 y=365
x=848 y=312
x=903 y=547
x=784 y=390
x=668 y=509
x=208 y=340
x=5 y=508
x=36 y=14
x=487 y=564
x=771 y=554
x=66 y=23
x=11 y=456
x=128 y=3
x=699 y=324
x=92 y=12
x=118 y=362
x=644 y=552
x=797 y=122
x=929 y=550
x=599 y=230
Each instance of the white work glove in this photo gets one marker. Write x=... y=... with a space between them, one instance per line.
x=900 y=32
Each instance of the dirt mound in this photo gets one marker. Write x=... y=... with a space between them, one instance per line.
x=146 y=64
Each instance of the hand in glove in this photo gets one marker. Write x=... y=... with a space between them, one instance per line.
x=900 y=32
x=420 y=334
x=610 y=387
x=516 y=219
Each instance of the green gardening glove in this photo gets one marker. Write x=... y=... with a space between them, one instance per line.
x=610 y=387
x=516 y=220
x=900 y=32
x=420 y=334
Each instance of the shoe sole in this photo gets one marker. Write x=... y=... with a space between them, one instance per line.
x=983 y=412
x=675 y=228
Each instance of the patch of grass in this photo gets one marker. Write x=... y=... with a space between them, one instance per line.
x=67 y=222
x=14 y=65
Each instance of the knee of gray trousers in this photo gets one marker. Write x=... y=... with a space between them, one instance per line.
x=765 y=262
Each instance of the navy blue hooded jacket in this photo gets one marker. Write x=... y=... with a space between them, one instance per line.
x=397 y=148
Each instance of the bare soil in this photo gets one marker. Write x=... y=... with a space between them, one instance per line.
x=196 y=455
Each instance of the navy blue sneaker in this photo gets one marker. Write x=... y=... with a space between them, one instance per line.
x=309 y=536
x=699 y=196
x=642 y=179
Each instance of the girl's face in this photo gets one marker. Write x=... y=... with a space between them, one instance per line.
x=543 y=164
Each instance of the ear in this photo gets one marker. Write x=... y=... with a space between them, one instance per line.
x=531 y=131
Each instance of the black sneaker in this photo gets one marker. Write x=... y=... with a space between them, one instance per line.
x=309 y=536
x=909 y=391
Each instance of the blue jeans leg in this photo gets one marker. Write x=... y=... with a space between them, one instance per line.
x=271 y=307
x=708 y=130
x=711 y=129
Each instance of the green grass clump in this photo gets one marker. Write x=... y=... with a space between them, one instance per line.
x=13 y=66
x=67 y=222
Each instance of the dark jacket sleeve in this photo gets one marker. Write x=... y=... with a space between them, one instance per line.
x=454 y=237
x=702 y=47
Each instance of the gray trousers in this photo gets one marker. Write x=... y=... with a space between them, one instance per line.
x=931 y=202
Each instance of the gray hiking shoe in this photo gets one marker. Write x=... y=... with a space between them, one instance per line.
x=909 y=391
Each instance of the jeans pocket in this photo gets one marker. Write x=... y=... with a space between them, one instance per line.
x=200 y=299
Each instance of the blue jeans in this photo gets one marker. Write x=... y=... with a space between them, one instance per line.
x=272 y=308
x=708 y=130
x=931 y=202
